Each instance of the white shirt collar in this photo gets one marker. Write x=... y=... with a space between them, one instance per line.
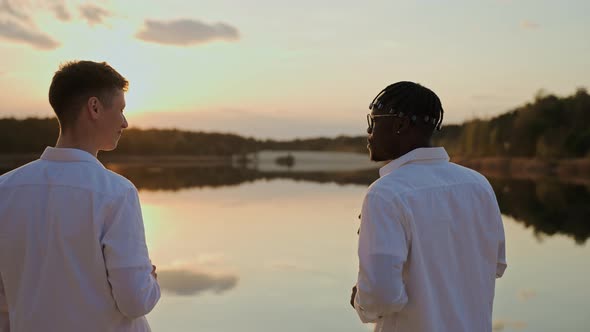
x=416 y=155
x=69 y=155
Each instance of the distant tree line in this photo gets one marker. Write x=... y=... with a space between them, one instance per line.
x=340 y=143
x=550 y=127
x=27 y=136
x=178 y=142
x=32 y=135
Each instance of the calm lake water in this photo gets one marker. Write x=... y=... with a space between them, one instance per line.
x=266 y=247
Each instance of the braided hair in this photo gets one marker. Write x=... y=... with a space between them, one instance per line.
x=412 y=100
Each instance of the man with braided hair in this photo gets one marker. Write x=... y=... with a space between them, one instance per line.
x=431 y=241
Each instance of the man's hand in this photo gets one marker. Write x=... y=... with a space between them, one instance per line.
x=154 y=274
x=352 y=296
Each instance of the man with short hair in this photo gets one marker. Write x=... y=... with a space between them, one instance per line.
x=73 y=255
x=431 y=241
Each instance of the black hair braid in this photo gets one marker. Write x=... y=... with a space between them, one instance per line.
x=413 y=100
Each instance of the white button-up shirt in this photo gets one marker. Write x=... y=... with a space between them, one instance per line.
x=431 y=245
x=73 y=255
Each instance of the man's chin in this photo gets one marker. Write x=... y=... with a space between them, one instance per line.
x=110 y=147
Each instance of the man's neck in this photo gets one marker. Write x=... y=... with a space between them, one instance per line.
x=418 y=145
x=70 y=141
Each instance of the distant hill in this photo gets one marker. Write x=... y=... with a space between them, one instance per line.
x=32 y=135
x=547 y=128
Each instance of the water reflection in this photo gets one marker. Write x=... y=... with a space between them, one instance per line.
x=189 y=282
x=176 y=178
x=550 y=207
x=273 y=249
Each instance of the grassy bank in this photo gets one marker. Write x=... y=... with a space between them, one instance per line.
x=567 y=170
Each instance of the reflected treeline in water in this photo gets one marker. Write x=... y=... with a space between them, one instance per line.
x=176 y=178
x=549 y=206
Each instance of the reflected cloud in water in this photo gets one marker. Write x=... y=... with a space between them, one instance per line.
x=187 y=282
x=503 y=324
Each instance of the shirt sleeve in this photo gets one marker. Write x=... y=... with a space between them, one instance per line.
x=383 y=250
x=501 y=263
x=135 y=291
x=128 y=265
x=4 y=322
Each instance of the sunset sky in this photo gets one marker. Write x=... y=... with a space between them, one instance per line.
x=285 y=69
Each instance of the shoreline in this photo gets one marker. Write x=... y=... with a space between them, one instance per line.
x=566 y=170
x=569 y=170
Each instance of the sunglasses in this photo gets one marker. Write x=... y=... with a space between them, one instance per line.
x=371 y=118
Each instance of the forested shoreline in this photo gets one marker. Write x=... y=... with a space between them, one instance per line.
x=548 y=128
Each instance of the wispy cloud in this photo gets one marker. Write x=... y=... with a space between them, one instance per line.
x=529 y=25
x=19 y=33
x=17 y=24
x=191 y=282
x=60 y=11
x=10 y=10
x=94 y=14
x=186 y=32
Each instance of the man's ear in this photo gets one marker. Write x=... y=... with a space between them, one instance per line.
x=93 y=107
